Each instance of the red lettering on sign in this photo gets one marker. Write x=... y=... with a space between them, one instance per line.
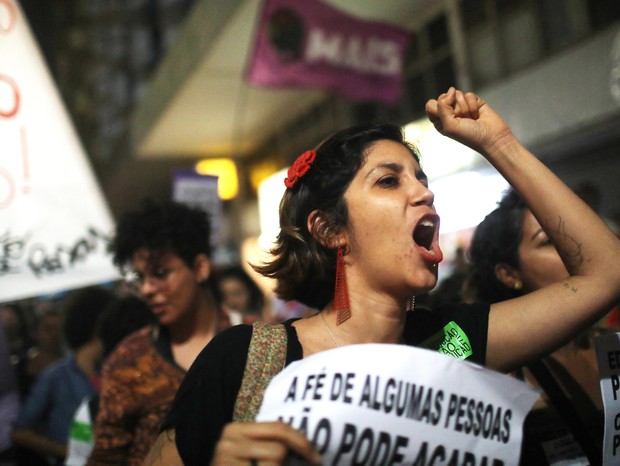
x=6 y=194
x=11 y=108
x=8 y=16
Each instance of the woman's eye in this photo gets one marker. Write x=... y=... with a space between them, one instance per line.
x=160 y=273
x=545 y=242
x=388 y=181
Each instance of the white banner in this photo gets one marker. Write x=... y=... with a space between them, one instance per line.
x=54 y=222
x=376 y=404
x=608 y=354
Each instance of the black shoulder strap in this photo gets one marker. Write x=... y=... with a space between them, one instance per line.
x=567 y=411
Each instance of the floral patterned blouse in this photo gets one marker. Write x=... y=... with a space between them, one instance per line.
x=140 y=379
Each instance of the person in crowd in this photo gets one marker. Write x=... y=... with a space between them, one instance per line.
x=242 y=298
x=18 y=342
x=358 y=238
x=163 y=252
x=510 y=256
x=15 y=329
x=9 y=401
x=282 y=310
x=45 y=417
x=120 y=318
x=32 y=351
x=591 y=194
x=450 y=289
x=48 y=343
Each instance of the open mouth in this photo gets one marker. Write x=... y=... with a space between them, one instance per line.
x=425 y=237
x=424 y=233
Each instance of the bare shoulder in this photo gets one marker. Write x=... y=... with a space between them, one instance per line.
x=164 y=451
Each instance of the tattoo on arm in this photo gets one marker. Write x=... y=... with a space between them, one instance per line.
x=569 y=287
x=572 y=256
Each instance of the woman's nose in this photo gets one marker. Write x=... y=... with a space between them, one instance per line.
x=422 y=195
x=147 y=287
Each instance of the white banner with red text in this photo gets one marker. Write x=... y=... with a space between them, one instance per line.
x=54 y=222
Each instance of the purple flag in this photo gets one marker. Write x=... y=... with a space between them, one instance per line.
x=307 y=43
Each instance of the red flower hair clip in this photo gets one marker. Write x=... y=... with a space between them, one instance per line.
x=299 y=168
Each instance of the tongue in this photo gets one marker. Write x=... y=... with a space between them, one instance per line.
x=432 y=255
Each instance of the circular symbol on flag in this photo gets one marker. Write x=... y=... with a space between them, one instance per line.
x=286 y=32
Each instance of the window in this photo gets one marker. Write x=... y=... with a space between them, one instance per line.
x=429 y=68
x=504 y=36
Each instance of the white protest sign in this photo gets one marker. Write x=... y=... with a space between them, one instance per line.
x=200 y=191
x=608 y=354
x=375 y=404
x=54 y=222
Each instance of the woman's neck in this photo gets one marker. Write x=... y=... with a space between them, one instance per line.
x=369 y=324
x=199 y=324
x=189 y=336
x=320 y=332
x=88 y=355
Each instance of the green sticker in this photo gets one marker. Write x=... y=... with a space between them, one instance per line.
x=81 y=431
x=451 y=340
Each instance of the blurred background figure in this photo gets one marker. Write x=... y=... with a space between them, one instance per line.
x=32 y=347
x=48 y=346
x=242 y=298
x=42 y=429
x=16 y=330
x=163 y=251
x=510 y=256
x=450 y=289
x=282 y=310
x=18 y=341
x=590 y=193
x=9 y=401
x=120 y=318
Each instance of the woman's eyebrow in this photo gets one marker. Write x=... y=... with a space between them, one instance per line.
x=392 y=166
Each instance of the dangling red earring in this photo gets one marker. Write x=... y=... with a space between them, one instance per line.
x=341 y=293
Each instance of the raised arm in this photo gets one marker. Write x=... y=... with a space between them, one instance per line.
x=528 y=327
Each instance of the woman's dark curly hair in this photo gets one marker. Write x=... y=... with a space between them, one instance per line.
x=166 y=227
x=81 y=310
x=303 y=264
x=496 y=241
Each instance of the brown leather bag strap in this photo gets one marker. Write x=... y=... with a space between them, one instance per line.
x=266 y=357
